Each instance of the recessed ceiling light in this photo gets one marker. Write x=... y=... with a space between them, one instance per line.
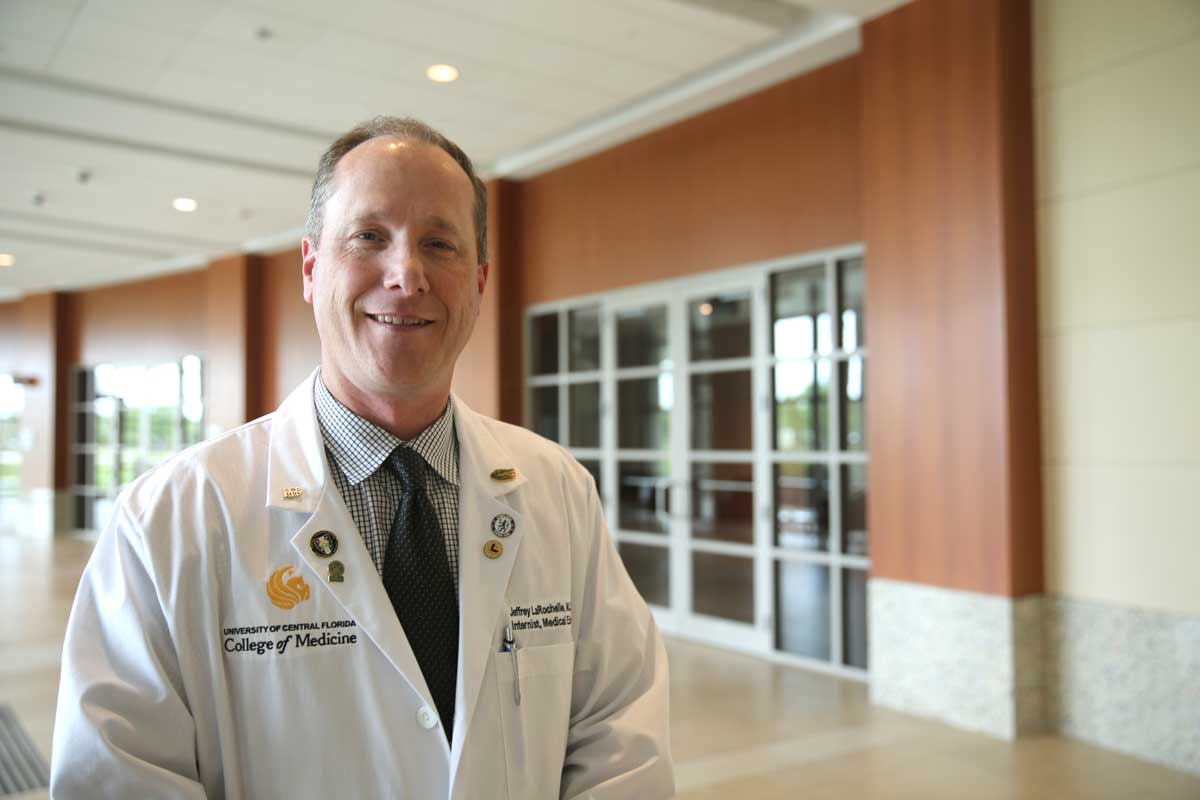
x=442 y=73
x=706 y=309
x=7 y=259
x=184 y=204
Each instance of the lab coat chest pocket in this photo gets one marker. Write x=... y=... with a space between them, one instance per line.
x=534 y=688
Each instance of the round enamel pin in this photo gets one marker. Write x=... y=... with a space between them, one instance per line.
x=323 y=543
x=503 y=525
x=493 y=549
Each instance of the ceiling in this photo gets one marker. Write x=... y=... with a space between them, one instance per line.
x=111 y=109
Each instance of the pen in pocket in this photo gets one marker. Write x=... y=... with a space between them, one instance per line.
x=510 y=646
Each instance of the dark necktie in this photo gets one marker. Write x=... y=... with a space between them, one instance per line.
x=416 y=575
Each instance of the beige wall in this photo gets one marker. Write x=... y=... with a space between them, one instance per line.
x=1118 y=126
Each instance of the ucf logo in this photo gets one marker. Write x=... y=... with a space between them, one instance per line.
x=286 y=592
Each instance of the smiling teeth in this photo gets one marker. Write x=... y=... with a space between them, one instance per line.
x=390 y=320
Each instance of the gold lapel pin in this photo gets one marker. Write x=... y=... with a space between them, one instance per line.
x=493 y=549
x=291 y=493
x=504 y=474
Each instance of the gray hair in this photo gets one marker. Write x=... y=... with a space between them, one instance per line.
x=392 y=128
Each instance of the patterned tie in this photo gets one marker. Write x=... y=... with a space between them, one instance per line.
x=416 y=575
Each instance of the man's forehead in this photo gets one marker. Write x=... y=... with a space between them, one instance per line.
x=390 y=153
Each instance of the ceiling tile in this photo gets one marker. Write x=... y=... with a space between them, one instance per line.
x=96 y=35
x=25 y=53
x=180 y=18
x=43 y=20
x=104 y=69
x=239 y=26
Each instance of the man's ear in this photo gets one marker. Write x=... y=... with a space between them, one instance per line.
x=482 y=277
x=308 y=261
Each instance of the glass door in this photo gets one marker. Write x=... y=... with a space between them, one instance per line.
x=640 y=388
x=727 y=598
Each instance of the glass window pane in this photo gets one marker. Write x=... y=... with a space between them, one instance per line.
x=722 y=406
x=723 y=502
x=583 y=337
x=854 y=618
x=643 y=412
x=644 y=503
x=131 y=426
x=723 y=586
x=720 y=327
x=853 y=410
x=802 y=405
x=800 y=313
x=105 y=422
x=642 y=337
x=164 y=424
x=543 y=415
x=854 y=509
x=649 y=567
x=802 y=506
x=802 y=609
x=103 y=475
x=543 y=344
x=130 y=467
x=851 y=295
x=593 y=466
x=584 y=402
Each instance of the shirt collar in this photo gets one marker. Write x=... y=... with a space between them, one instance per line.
x=359 y=447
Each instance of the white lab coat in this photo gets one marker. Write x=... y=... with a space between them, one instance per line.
x=174 y=684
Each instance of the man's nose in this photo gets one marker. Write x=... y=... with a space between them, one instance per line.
x=405 y=271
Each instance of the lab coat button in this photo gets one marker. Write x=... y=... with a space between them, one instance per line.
x=427 y=718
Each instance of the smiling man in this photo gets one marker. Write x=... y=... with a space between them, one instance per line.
x=374 y=591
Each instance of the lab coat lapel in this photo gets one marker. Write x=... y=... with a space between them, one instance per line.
x=483 y=580
x=298 y=462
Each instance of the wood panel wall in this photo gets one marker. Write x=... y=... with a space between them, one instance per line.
x=233 y=346
x=951 y=301
x=290 y=346
x=774 y=173
x=142 y=322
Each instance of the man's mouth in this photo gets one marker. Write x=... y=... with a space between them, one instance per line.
x=402 y=322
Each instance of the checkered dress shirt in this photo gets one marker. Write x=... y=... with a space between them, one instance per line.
x=358 y=451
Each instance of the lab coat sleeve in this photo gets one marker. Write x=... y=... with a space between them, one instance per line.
x=618 y=744
x=122 y=727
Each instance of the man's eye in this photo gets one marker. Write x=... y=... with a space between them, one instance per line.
x=369 y=236
x=441 y=244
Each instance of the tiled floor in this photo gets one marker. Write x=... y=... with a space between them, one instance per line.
x=742 y=728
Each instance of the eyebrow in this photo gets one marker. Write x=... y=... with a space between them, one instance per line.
x=434 y=221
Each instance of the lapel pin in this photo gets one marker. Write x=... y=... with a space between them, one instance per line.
x=323 y=543
x=291 y=493
x=503 y=525
x=493 y=549
x=504 y=474
x=336 y=571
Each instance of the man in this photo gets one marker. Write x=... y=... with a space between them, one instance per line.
x=373 y=592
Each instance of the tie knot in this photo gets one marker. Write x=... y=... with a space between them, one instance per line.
x=409 y=467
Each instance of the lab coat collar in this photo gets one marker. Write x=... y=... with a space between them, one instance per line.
x=296 y=466
x=484 y=581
